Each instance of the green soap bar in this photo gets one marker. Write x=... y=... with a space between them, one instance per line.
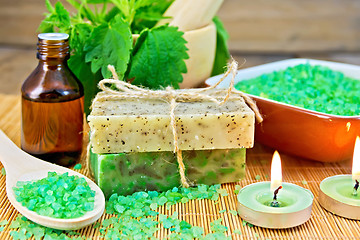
x=126 y=173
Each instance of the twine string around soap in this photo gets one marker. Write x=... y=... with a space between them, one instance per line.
x=126 y=90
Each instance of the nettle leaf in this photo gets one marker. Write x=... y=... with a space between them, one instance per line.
x=148 y=13
x=58 y=17
x=49 y=7
x=46 y=25
x=123 y=5
x=97 y=1
x=158 y=58
x=156 y=6
x=109 y=44
x=75 y=4
x=79 y=35
x=112 y=13
x=63 y=17
x=222 y=54
x=89 y=80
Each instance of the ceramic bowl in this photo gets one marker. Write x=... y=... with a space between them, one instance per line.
x=298 y=131
x=202 y=46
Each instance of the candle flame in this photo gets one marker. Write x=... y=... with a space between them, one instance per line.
x=276 y=173
x=356 y=160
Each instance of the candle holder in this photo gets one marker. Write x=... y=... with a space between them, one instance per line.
x=340 y=194
x=337 y=196
x=275 y=204
x=255 y=205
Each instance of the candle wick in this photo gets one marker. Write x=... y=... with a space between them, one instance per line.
x=356 y=187
x=276 y=193
x=275 y=203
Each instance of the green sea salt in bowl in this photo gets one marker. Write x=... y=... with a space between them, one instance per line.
x=57 y=196
x=312 y=87
x=310 y=107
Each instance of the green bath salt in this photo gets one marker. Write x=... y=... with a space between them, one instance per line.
x=78 y=166
x=137 y=216
x=57 y=195
x=312 y=87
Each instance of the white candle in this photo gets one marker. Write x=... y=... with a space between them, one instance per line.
x=356 y=161
x=276 y=173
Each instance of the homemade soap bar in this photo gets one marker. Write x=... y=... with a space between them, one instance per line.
x=125 y=173
x=143 y=125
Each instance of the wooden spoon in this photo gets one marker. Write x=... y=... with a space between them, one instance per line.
x=21 y=166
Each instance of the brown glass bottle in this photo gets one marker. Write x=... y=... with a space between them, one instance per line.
x=52 y=105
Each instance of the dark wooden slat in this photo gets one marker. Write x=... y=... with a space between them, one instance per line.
x=15 y=66
x=255 y=26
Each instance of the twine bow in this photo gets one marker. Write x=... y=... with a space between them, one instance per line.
x=126 y=90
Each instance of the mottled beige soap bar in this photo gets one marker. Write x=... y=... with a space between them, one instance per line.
x=143 y=125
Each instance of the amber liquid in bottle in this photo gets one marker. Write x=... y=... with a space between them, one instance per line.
x=52 y=105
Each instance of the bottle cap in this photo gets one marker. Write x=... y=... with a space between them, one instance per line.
x=53 y=36
x=52 y=45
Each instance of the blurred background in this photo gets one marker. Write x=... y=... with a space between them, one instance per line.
x=261 y=31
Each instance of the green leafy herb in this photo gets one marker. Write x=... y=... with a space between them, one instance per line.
x=149 y=15
x=222 y=54
x=89 y=79
x=142 y=14
x=109 y=44
x=101 y=34
x=57 y=17
x=153 y=70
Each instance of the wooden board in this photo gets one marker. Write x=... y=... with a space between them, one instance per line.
x=15 y=66
x=292 y=25
x=322 y=225
x=254 y=26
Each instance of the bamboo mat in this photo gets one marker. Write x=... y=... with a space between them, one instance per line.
x=308 y=174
